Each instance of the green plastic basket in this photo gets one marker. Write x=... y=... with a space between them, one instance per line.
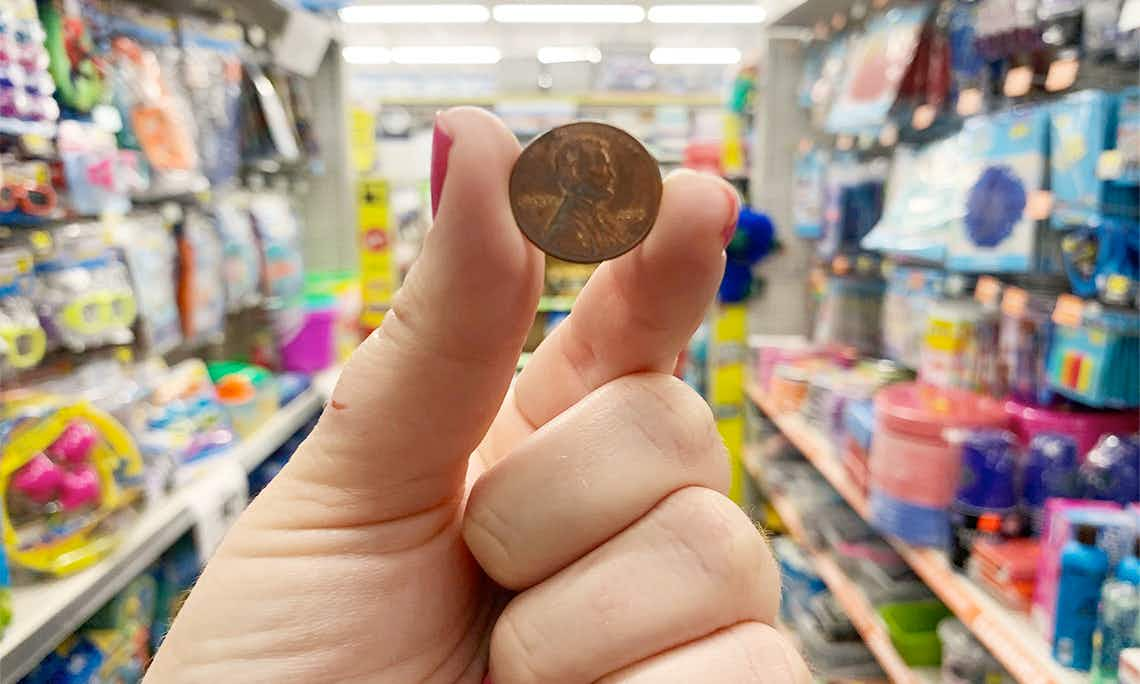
x=913 y=627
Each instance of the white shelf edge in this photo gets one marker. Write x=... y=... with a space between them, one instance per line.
x=44 y=614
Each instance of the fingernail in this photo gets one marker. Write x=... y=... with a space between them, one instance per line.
x=440 y=151
x=733 y=218
x=487 y=679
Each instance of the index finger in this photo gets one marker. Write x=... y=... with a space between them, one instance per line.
x=635 y=315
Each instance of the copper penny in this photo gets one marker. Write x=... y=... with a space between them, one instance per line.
x=586 y=192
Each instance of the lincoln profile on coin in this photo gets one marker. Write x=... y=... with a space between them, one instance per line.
x=585 y=192
x=585 y=174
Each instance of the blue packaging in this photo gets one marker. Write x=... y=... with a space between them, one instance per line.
x=1084 y=567
x=859 y=422
x=913 y=524
x=1050 y=473
x=1082 y=126
x=1111 y=471
x=996 y=232
x=807 y=203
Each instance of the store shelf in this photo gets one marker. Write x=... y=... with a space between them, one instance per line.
x=596 y=99
x=848 y=594
x=46 y=613
x=1008 y=635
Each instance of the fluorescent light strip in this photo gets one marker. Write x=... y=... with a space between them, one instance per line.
x=707 y=14
x=573 y=53
x=415 y=14
x=366 y=54
x=568 y=14
x=685 y=55
x=446 y=54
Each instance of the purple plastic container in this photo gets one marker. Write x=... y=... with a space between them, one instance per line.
x=313 y=349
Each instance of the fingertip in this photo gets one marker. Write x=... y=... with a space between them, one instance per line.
x=708 y=203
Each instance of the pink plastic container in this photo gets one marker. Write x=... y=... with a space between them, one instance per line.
x=1086 y=427
x=911 y=459
x=313 y=349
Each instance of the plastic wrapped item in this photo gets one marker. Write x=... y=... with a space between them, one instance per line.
x=201 y=284
x=82 y=293
x=1111 y=471
x=847 y=659
x=22 y=340
x=185 y=421
x=850 y=313
x=1050 y=472
x=26 y=102
x=150 y=251
x=1117 y=627
x=986 y=504
x=807 y=206
x=140 y=49
x=876 y=63
x=964 y=660
x=910 y=294
x=1007 y=569
x=1025 y=334
x=950 y=348
x=998 y=231
x=1083 y=126
x=69 y=476
x=239 y=245
x=1095 y=357
x=100 y=177
x=212 y=71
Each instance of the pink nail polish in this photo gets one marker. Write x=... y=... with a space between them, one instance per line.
x=440 y=151
x=733 y=218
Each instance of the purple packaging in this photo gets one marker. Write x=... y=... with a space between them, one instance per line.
x=1111 y=471
x=1117 y=526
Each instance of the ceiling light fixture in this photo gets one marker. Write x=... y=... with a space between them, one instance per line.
x=707 y=14
x=366 y=54
x=687 y=55
x=446 y=54
x=517 y=13
x=572 y=53
x=415 y=14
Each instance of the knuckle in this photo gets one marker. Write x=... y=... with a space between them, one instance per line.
x=489 y=537
x=713 y=534
x=674 y=419
x=516 y=651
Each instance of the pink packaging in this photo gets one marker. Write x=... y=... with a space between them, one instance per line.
x=911 y=459
x=1086 y=427
x=1056 y=531
x=313 y=349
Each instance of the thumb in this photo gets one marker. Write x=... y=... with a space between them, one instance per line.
x=418 y=395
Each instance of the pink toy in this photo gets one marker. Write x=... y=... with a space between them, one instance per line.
x=1086 y=427
x=75 y=444
x=911 y=458
x=39 y=479
x=80 y=489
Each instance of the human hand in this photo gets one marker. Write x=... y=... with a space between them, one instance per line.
x=441 y=523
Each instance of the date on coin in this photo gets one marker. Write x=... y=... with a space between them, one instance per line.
x=585 y=192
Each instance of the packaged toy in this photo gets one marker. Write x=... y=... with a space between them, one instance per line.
x=242 y=259
x=280 y=239
x=5 y=593
x=1024 y=338
x=1083 y=126
x=27 y=196
x=113 y=646
x=212 y=71
x=1095 y=355
x=22 y=340
x=997 y=232
x=100 y=177
x=806 y=206
x=876 y=63
x=69 y=475
x=150 y=252
x=853 y=203
x=267 y=131
x=82 y=292
x=174 y=574
x=79 y=80
x=201 y=284
x=143 y=57
x=185 y=422
x=910 y=294
x=1111 y=471
x=26 y=102
x=926 y=195
x=1128 y=135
